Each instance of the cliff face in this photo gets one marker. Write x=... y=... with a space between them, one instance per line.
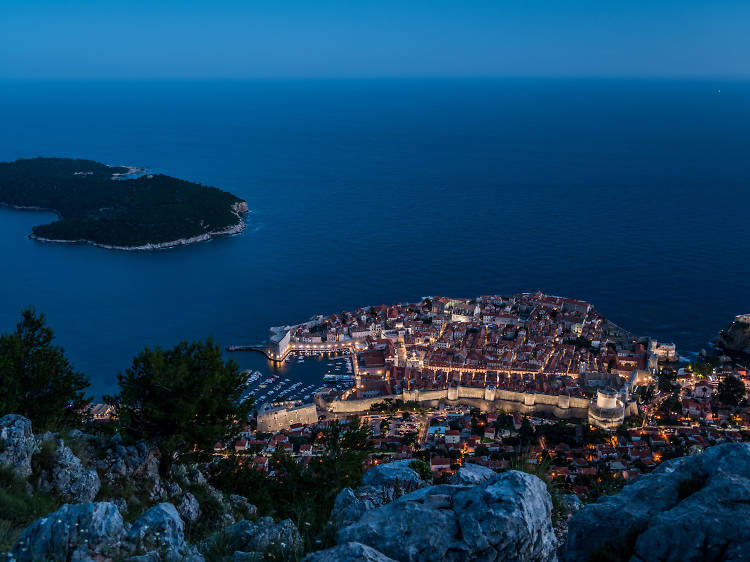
x=736 y=338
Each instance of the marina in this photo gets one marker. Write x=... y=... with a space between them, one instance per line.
x=299 y=376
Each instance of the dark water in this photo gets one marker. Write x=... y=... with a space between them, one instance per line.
x=634 y=195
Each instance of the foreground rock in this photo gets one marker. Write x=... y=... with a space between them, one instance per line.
x=472 y=474
x=73 y=532
x=17 y=444
x=382 y=484
x=95 y=531
x=391 y=474
x=256 y=539
x=687 y=509
x=159 y=529
x=131 y=463
x=70 y=480
x=507 y=517
x=348 y=552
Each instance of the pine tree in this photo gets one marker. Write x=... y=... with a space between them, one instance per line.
x=36 y=379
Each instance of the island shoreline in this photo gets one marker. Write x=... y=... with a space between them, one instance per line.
x=238 y=209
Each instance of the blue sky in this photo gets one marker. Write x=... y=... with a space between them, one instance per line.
x=361 y=38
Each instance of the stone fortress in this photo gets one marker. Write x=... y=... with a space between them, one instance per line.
x=528 y=353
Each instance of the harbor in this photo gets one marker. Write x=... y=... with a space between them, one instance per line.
x=299 y=377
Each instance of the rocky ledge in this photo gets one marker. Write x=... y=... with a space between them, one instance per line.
x=688 y=509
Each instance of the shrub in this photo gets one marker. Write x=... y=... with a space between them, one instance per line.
x=18 y=509
x=421 y=468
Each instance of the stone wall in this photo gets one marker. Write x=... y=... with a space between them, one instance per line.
x=283 y=418
x=486 y=399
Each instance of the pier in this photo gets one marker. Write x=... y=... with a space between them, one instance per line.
x=314 y=348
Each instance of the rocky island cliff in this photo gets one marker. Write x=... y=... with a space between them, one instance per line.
x=108 y=501
x=736 y=338
x=118 y=207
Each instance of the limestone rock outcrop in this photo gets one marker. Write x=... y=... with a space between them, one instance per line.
x=472 y=474
x=159 y=529
x=189 y=508
x=687 y=509
x=17 y=444
x=70 y=480
x=507 y=517
x=382 y=484
x=131 y=462
x=74 y=532
x=255 y=539
x=348 y=552
x=392 y=473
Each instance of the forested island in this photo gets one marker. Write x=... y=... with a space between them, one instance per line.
x=117 y=207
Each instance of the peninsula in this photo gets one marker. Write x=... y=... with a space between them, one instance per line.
x=117 y=207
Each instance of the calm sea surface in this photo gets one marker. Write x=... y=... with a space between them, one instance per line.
x=633 y=195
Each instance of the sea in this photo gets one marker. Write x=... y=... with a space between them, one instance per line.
x=631 y=194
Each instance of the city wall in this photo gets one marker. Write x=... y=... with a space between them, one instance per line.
x=486 y=399
x=283 y=418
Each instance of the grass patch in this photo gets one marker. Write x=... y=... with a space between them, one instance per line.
x=136 y=498
x=18 y=509
x=211 y=519
x=44 y=458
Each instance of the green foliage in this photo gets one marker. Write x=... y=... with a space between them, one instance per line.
x=391 y=406
x=44 y=458
x=181 y=399
x=669 y=409
x=384 y=425
x=421 y=468
x=526 y=432
x=136 y=496
x=409 y=438
x=731 y=391
x=705 y=367
x=560 y=432
x=128 y=212
x=667 y=382
x=541 y=471
x=18 y=509
x=36 y=379
x=211 y=518
x=303 y=494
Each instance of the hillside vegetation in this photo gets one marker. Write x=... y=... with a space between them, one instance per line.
x=93 y=206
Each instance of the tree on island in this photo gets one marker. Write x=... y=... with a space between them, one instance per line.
x=731 y=391
x=36 y=379
x=182 y=399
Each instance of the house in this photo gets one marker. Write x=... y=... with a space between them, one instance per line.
x=440 y=463
x=702 y=390
x=452 y=436
x=102 y=412
x=240 y=445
